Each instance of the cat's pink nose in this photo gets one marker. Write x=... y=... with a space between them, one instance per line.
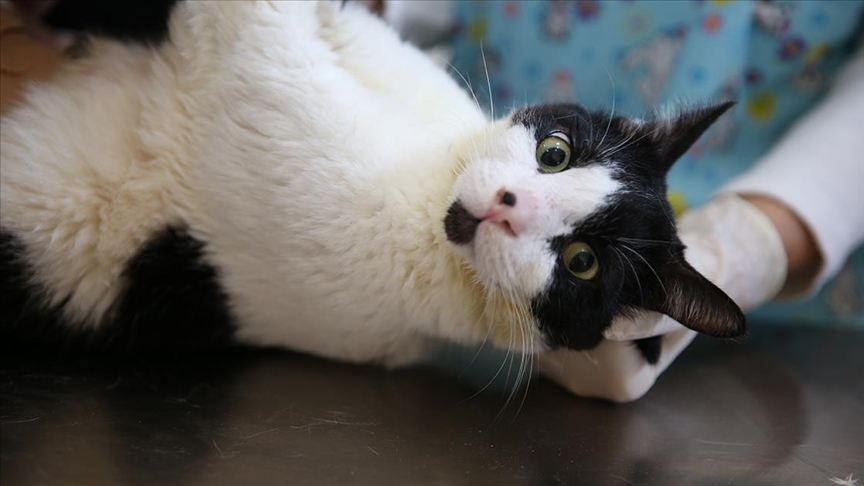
x=512 y=210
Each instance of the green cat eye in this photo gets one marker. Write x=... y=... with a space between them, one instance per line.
x=553 y=154
x=581 y=260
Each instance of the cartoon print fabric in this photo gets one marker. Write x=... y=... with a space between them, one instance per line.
x=774 y=57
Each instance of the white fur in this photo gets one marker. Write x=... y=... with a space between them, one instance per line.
x=316 y=156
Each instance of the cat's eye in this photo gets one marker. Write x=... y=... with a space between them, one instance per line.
x=553 y=154
x=581 y=260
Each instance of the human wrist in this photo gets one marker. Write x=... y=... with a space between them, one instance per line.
x=738 y=247
x=803 y=257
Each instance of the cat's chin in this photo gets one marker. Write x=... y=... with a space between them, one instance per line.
x=517 y=267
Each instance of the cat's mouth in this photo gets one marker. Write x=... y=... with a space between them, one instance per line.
x=460 y=225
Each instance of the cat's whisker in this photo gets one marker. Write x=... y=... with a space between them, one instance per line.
x=479 y=350
x=661 y=201
x=590 y=357
x=512 y=355
x=517 y=380
x=526 y=335
x=520 y=321
x=531 y=357
x=651 y=267
x=491 y=301
x=635 y=275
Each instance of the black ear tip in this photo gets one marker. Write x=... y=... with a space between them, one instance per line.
x=738 y=326
x=734 y=322
x=718 y=108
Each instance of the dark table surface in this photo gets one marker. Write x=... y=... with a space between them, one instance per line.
x=785 y=407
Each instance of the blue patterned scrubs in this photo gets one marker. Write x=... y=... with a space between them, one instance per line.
x=774 y=57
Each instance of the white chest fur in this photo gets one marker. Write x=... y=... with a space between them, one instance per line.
x=308 y=148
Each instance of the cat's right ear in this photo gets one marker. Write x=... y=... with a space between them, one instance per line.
x=673 y=135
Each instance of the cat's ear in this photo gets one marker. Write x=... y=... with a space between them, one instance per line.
x=696 y=303
x=674 y=135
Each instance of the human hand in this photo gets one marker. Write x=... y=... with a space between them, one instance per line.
x=31 y=13
x=733 y=244
x=23 y=59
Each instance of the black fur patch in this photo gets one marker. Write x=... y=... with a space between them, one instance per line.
x=25 y=321
x=173 y=298
x=460 y=226
x=172 y=301
x=131 y=21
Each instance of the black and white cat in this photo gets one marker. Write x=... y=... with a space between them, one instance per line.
x=291 y=174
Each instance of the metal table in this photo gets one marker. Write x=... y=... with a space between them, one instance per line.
x=785 y=407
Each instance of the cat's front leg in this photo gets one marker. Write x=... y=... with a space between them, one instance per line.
x=375 y=55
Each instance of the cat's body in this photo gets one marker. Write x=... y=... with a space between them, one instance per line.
x=280 y=174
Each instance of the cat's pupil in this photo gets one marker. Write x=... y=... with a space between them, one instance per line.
x=581 y=262
x=553 y=157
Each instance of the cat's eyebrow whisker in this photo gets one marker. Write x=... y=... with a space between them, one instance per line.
x=488 y=82
x=652 y=132
x=639 y=240
x=612 y=112
x=467 y=83
x=623 y=145
x=649 y=266
x=564 y=117
x=614 y=150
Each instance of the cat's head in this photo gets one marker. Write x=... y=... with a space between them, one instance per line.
x=564 y=209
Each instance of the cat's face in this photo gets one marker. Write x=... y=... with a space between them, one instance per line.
x=565 y=210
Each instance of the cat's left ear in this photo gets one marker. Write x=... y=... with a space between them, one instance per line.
x=673 y=136
x=692 y=300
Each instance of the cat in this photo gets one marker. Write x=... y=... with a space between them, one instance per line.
x=291 y=174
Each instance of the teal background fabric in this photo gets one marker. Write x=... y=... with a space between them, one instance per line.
x=775 y=58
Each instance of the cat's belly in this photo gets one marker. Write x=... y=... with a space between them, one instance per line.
x=319 y=258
